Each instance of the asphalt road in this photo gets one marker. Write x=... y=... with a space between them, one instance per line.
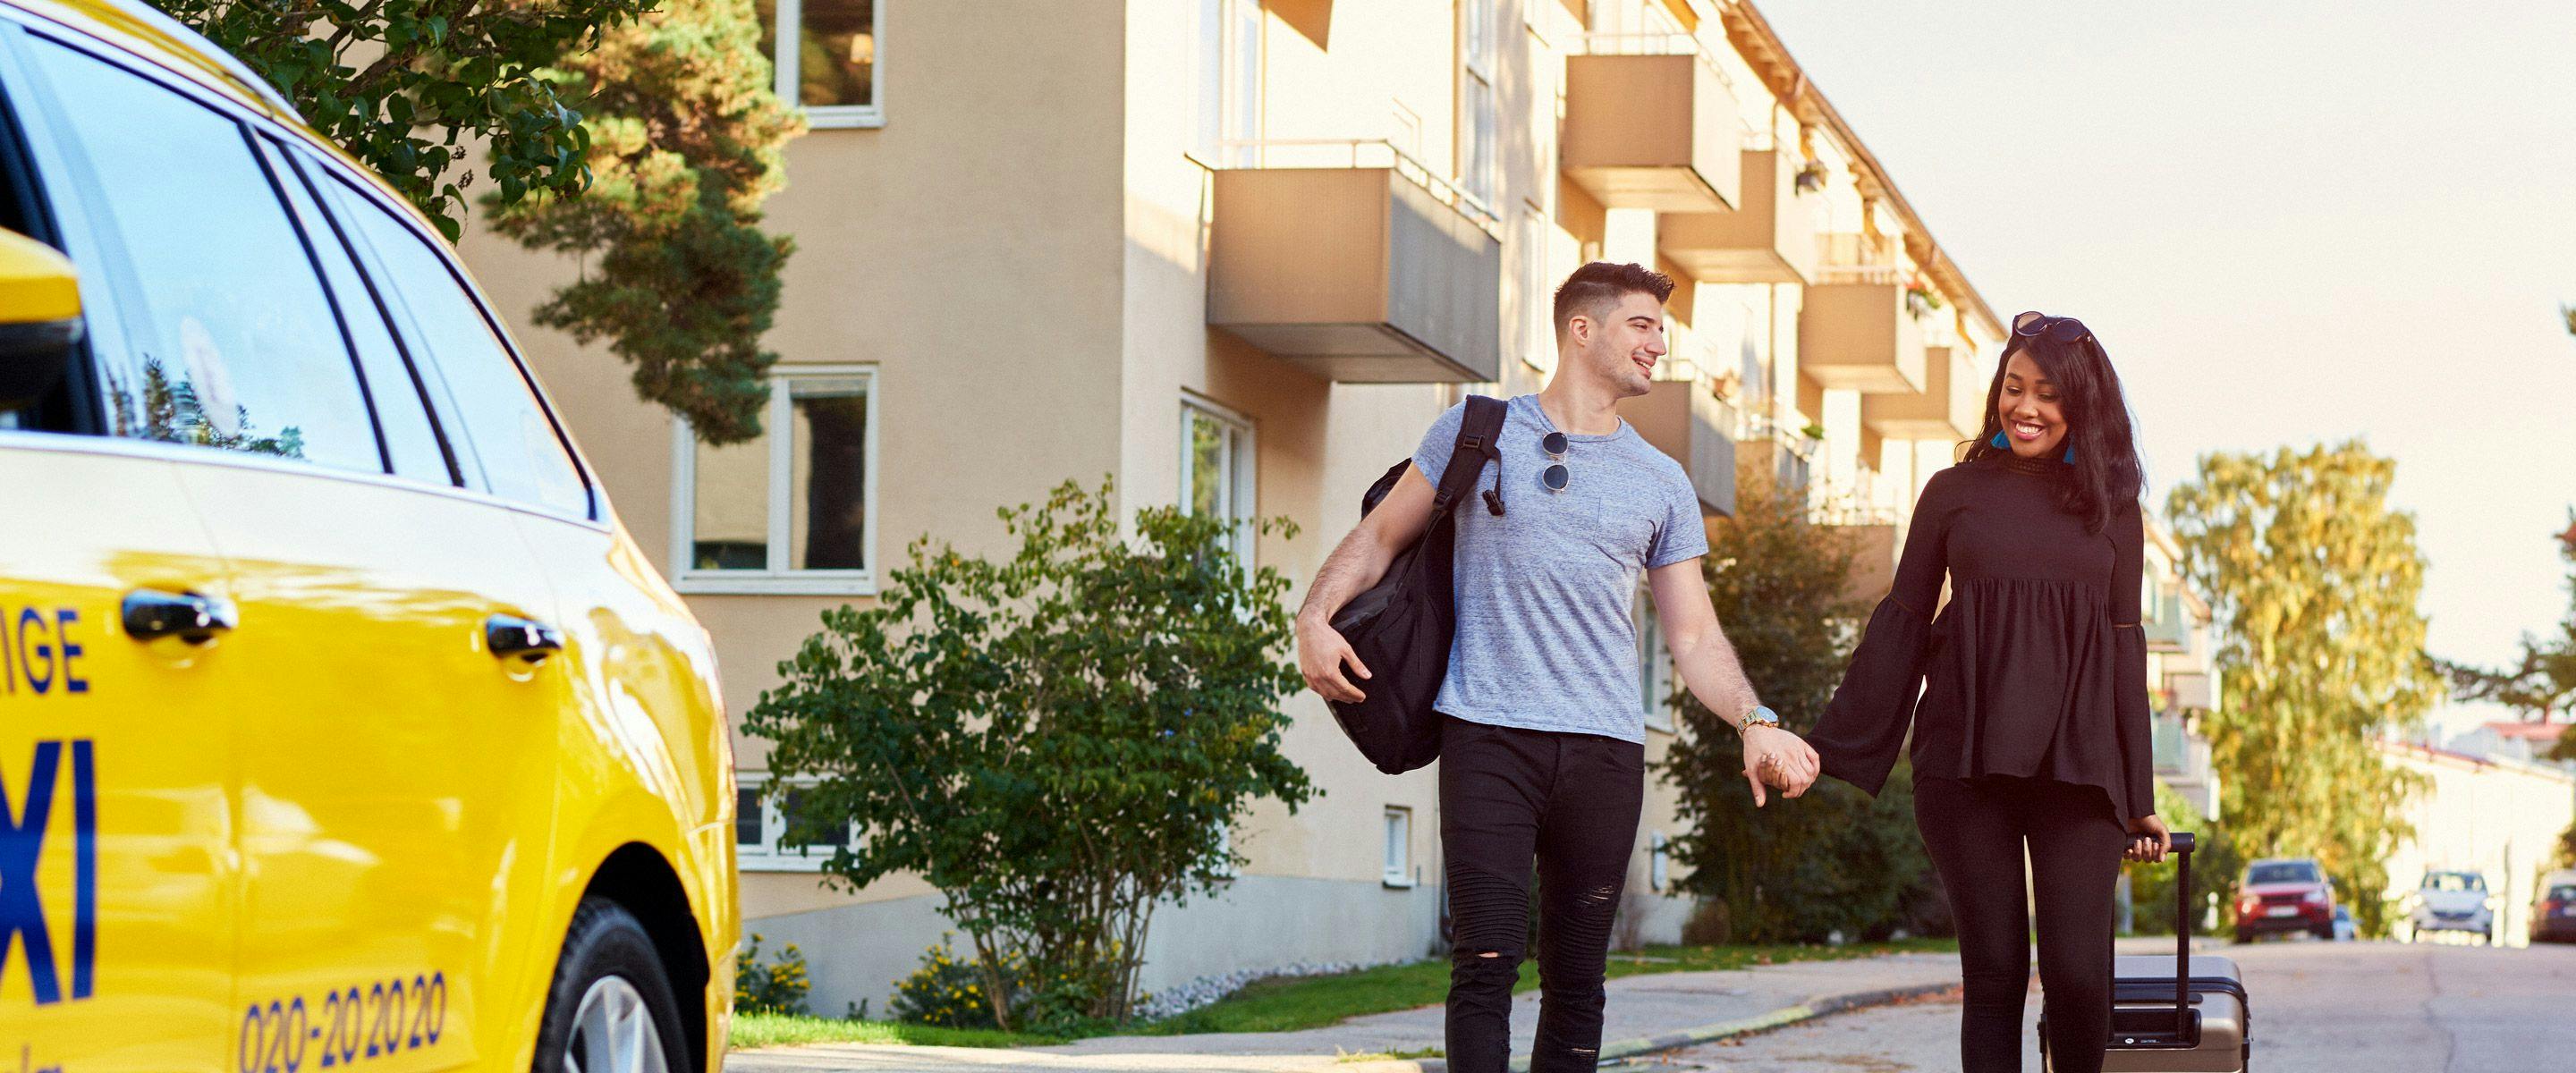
x=2317 y=1008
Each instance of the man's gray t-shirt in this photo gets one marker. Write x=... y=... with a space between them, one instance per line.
x=1544 y=593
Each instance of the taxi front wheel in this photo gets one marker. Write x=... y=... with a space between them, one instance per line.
x=610 y=1008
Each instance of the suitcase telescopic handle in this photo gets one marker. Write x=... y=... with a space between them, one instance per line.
x=2183 y=844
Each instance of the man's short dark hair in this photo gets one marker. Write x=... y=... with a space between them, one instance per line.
x=1595 y=287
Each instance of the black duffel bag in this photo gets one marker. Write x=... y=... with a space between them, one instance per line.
x=1400 y=629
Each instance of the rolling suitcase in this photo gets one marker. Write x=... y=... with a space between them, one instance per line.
x=2179 y=1014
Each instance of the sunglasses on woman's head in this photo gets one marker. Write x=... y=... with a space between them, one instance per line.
x=2033 y=324
x=1556 y=476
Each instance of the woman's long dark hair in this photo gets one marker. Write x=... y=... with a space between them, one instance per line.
x=2106 y=470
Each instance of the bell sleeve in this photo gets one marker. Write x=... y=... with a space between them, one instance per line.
x=2129 y=701
x=1865 y=724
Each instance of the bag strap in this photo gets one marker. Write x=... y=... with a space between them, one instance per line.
x=1477 y=434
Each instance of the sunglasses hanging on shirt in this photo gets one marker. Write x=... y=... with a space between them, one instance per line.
x=1554 y=476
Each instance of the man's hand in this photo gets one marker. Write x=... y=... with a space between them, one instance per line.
x=1779 y=758
x=1321 y=651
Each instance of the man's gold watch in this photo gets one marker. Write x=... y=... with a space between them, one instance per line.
x=1757 y=716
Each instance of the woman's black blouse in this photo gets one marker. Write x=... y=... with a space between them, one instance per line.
x=2037 y=667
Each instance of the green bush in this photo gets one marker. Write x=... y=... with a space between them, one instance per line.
x=952 y=991
x=949 y=992
x=1058 y=740
x=778 y=987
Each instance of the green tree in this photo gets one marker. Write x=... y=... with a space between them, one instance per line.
x=686 y=142
x=641 y=136
x=401 y=84
x=2316 y=578
x=1834 y=860
x=1057 y=741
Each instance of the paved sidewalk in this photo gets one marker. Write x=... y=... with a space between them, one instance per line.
x=1645 y=1013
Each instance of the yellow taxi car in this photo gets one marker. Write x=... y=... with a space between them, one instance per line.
x=341 y=725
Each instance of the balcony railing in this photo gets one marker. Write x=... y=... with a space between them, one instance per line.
x=1854 y=257
x=1658 y=44
x=1786 y=454
x=1355 y=153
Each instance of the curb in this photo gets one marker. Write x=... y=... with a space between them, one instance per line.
x=1785 y=1016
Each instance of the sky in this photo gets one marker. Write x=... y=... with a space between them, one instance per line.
x=2289 y=222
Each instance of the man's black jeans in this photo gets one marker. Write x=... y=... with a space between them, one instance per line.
x=1569 y=801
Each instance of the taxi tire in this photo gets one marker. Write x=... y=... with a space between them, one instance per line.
x=605 y=940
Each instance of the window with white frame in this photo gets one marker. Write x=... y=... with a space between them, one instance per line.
x=1538 y=300
x=1479 y=121
x=1659 y=863
x=1654 y=666
x=1399 y=846
x=1229 y=78
x=826 y=55
x=792 y=510
x=769 y=834
x=1217 y=459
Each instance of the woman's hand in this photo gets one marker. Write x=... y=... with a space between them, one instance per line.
x=2149 y=840
x=1779 y=758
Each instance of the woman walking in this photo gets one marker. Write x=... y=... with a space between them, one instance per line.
x=2032 y=733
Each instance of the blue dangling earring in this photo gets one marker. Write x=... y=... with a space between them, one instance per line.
x=1998 y=441
x=2070 y=454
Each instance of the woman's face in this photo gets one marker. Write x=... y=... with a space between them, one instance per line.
x=2028 y=408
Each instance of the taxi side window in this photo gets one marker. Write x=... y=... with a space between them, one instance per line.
x=394 y=386
x=231 y=342
x=515 y=445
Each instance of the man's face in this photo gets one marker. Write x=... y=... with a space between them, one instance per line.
x=1623 y=346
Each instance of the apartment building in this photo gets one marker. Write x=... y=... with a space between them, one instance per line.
x=2182 y=674
x=1237 y=254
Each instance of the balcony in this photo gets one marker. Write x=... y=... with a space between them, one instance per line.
x=2193 y=691
x=1770 y=238
x=1863 y=507
x=1368 y=270
x=1780 y=455
x=1950 y=407
x=1651 y=123
x=1683 y=418
x=1860 y=331
x=2168 y=629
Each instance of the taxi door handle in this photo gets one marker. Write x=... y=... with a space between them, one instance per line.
x=191 y=617
x=509 y=635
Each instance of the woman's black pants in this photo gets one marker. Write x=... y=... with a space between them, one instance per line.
x=1569 y=801
x=1976 y=831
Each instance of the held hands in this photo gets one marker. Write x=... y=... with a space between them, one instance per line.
x=1321 y=652
x=1778 y=758
x=2149 y=840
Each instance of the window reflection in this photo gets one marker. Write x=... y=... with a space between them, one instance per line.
x=230 y=341
x=829 y=524
x=731 y=515
x=837 y=53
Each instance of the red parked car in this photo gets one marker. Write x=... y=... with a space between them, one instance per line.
x=2284 y=894
x=2553 y=918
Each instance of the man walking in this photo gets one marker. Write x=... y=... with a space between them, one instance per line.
x=1542 y=753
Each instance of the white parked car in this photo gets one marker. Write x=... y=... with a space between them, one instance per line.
x=2454 y=901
